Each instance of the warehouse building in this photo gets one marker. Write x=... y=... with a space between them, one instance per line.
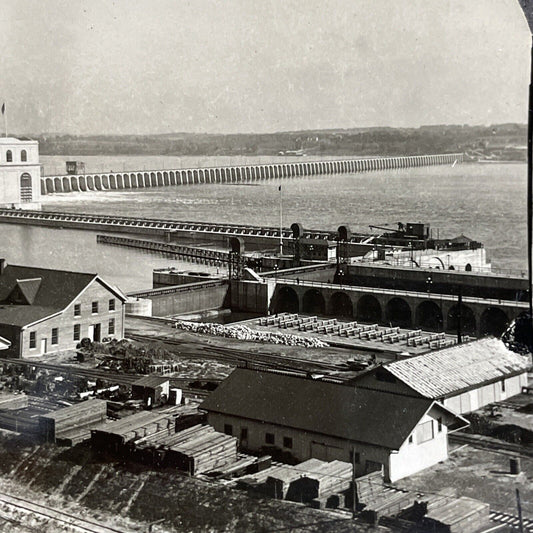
x=45 y=311
x=274 y=412
x=464 y=377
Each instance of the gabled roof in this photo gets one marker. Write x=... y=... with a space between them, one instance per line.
x=362 y=415
x=452 y=370
x=25 y=290
x=55 y=291
x=4 y=343
x=151 y=381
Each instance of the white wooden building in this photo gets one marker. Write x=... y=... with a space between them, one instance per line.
x=464 y=377
x=273 y=412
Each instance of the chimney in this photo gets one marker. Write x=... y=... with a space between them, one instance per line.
x=3 y=265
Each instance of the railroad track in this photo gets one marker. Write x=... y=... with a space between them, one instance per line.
x=488 y=443
x=46 y=511
x=511 y=521
x=234 y=356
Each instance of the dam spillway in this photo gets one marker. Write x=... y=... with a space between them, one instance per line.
x=234 y=174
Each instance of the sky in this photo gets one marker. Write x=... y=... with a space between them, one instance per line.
x=229 y=66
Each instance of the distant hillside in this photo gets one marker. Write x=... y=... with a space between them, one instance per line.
x=478 y=140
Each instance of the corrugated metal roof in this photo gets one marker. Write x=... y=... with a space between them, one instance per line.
x=444 y=372
x=362 y=415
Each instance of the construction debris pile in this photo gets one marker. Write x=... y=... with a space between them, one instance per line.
x=244 y=333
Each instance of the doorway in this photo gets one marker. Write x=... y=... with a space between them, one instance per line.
x=43 y=346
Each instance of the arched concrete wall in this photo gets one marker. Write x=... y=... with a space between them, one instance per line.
x=126 y=180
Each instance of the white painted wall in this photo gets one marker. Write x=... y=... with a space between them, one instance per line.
x=414 y=457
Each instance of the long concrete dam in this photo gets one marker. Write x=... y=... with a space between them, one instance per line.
x=234 y=174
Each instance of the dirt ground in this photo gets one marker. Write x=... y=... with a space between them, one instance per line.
x=130 y=496
x=480 y=474
x=192 y=343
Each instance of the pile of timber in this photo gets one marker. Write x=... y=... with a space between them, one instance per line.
x=9 y=402
x=318 y=483
x=376 y=499
x=444 y=512
x=203 y=451
x=116 y=436
x=72 y=424
x=454 y=515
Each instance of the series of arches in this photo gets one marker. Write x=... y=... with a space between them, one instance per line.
x=165 y=178
x=396 y=311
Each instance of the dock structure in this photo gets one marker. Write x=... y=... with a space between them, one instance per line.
x=235 y=174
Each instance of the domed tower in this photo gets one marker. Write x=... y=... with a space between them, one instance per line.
x=20 y=173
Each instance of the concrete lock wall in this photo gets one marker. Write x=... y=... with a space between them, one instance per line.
x=233 y=174
x=186 y=299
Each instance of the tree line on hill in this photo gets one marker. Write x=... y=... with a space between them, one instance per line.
x=509 y=139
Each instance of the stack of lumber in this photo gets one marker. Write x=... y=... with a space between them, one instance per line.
x=115 y=435
x=203 y=451
x=320 y=483
x=13 y=401
x=247 y=464
x=375 y=499
x=389 y=503
x=73 y=420
x=455 y=515
x=326 y=479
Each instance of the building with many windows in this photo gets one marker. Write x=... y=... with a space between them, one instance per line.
x=20 y=173
x=44 y=311
x=296 y=418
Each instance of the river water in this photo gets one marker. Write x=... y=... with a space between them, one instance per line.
x=486 y=202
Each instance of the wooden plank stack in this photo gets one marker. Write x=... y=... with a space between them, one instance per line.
x=205 y=451
x=333 y=477
x=73 y=420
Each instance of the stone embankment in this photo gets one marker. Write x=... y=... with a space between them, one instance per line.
x=244 y=333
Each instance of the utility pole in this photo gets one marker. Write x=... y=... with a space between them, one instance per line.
x=519 y=507
x=459 y=317
x=280 y=223
x=355 y=498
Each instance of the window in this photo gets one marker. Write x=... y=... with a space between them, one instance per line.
x=23 y=156
x=111 y=327
x=77 y=331
x=424 y=432
x=112 y=304
x=55 y=335
x=33 y=340
x=410 y=439
x=439 y=424
x=269 y=438
x=244 y=433
x=503 y=385
x=228 y=429
x=9 y=156
x=94 y=308
x=287 y=442
x=77 y=309
x=26 y=193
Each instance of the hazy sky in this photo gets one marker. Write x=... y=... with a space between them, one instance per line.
x=156 y=66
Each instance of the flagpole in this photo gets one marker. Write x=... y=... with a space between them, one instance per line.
x=280 y=223
x=5 y=118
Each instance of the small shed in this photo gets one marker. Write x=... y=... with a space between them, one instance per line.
x=152 y=390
